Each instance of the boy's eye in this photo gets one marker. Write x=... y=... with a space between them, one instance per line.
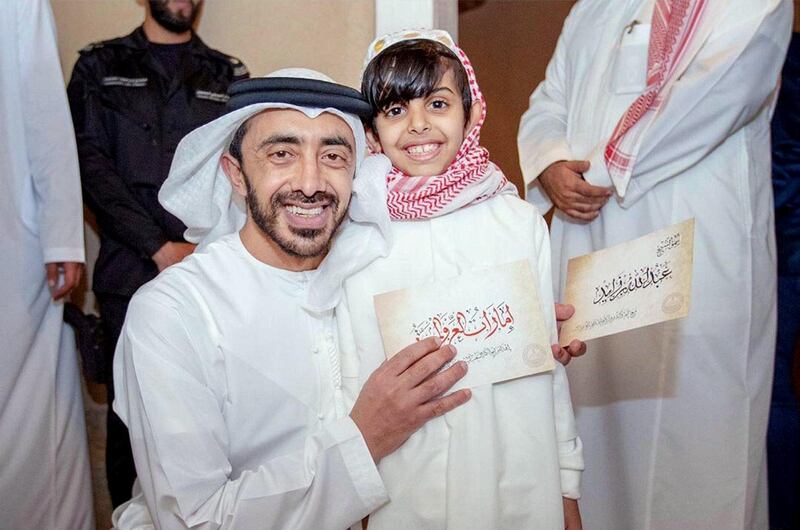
x=394 y=111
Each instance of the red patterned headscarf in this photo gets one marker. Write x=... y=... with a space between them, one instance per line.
x=674 y=24
x=470 y=178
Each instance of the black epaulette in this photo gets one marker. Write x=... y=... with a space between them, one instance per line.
x=239 y=68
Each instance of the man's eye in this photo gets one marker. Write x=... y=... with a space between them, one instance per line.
x=281 y=155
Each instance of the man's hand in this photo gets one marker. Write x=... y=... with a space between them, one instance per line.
x=72 y=276
x=572 y=515
x=563 y=183
x=404 y=392
x=575 y=348
x=171 y=253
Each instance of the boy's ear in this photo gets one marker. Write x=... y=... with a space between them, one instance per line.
x=474 y=115
x=234 y=172
x=373 y=141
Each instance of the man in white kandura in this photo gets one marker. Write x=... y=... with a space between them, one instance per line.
x=227 y=368
x=665 y=106
x=44 y=467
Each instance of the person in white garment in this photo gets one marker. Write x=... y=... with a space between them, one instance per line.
x=44 y=468
x=227 y=369
x=510 y=457
x=653 y=112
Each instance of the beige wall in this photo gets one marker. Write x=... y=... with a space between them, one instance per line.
x=510 y=44
x=327 y=35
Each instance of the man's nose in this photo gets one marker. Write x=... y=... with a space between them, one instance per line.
x=418 y=120
x=310 y=178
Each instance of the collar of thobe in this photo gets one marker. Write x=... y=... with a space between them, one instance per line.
x=198 y=192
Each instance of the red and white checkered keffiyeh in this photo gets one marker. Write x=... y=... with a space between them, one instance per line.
x=674 y=24
x=470 y=179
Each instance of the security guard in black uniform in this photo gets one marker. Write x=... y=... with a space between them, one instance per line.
x=133 y=98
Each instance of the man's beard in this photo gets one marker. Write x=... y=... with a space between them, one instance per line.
x=174 y=22
x=267 y=221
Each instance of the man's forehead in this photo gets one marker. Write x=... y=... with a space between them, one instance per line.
x=297 y=123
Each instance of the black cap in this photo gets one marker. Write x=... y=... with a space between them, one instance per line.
x=298 y=91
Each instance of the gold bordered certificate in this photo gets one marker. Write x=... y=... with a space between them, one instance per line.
x=493 y=318
x=631 y=285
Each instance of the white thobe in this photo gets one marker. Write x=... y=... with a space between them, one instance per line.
x=44 y=467
x=232 y=395
x=673 y=416
x=506 y=457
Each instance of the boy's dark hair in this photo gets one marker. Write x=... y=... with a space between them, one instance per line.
x=408 y=70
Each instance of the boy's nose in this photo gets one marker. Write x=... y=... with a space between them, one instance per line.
x=418 y=121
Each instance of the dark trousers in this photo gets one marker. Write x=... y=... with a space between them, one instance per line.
x=120 y=471
x=783 y=435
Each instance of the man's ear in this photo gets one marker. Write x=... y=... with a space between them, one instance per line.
x=474 y=115
x=234 y=172
x=373 y=141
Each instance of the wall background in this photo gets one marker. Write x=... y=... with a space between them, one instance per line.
x=327 y=35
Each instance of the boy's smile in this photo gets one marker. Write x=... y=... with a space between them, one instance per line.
x=422 y=137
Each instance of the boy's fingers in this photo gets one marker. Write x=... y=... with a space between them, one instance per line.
x=576 y=348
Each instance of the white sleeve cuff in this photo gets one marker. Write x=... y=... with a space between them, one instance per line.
x=547 y=152
x=358 y=460
x=571 y=484
x=62 y=254
x=570 y=457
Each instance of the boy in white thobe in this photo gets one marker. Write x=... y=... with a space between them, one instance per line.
x=511 y=457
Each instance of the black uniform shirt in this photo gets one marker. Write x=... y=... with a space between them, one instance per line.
x=130 y=112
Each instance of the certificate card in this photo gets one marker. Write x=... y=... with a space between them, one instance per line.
x=631 y=285
x=492 y=317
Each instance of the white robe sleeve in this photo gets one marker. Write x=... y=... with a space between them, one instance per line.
x=570 y=448
x=724 y=88
x=49 y=136
x=180 y=442
x=542 y=136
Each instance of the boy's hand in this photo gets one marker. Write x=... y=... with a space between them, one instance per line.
x=405 y=392
x=572 y=515
x=575 y=348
